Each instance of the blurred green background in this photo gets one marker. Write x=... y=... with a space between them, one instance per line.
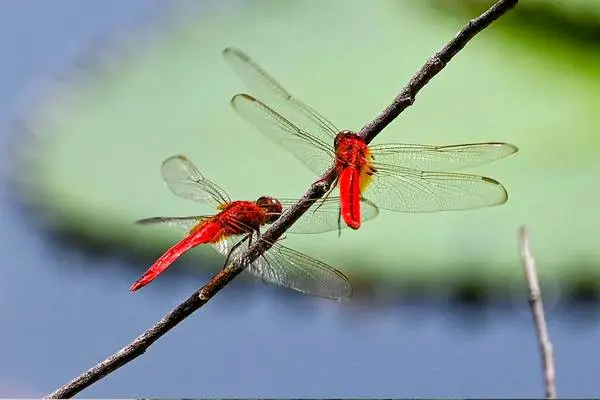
x=531 y=79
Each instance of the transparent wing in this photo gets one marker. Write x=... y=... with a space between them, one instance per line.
x=402 y=189
x=285 y=267
x=441 y=158
x=268 y=90
x=324 y=215
x=225 y=245
x=186 y=181
x=316 y=154
x=186 y=223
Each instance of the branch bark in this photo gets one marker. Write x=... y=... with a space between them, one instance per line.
x=537 y=311
x=433 y=66
x=317 y=190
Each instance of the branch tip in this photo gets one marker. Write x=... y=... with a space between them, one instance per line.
x=537 y=311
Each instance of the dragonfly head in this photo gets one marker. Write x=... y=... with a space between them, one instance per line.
x=343 y=136
x=271 y=206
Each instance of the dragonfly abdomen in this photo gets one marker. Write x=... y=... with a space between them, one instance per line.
x=206 y=232
x=349 y=184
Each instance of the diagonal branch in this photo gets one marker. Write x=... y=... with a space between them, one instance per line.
x=537 y=310
x=317 y=190
x=433 y=66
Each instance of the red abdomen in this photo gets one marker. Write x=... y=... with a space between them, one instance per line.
x=349 y=184
x=351 y=158
x=209 y=231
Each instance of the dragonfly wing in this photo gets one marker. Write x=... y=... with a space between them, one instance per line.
x=186 y=223
x=402 y=189
x=441 y=158
x=315 y=153
x=185 y=180
x=266 y=88
x=289 y=268
x=225 y=245
x=285 y=267
x=324 y=215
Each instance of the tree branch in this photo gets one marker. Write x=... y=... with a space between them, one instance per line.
x=317 y=190
x=537 y=310
x=433 y=66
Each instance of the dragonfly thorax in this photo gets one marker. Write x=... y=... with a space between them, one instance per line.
x=350 y=150
x=239 y=217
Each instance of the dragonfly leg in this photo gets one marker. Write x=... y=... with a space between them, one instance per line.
x=235 y=246
x=339 y=221
x=262 y=255
x=323 y=182
x=250 y=244
x=322 y=200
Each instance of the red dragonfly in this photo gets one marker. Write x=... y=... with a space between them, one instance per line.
x=398 y=177
x=237 y=224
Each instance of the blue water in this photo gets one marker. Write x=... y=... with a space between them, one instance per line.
x=62 y=311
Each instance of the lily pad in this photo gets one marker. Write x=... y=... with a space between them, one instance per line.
x=100 y=137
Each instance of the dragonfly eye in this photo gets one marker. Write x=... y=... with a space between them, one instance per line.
x=341 y=136
x=271 y=206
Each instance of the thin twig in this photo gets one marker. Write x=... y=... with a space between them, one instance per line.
x=537 y=310
x=406 y=97
x=433 y=66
